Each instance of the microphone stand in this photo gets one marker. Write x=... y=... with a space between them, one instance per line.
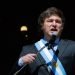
x=19 y=70
x=16 y=73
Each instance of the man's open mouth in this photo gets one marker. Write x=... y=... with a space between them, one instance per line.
x=53 y=29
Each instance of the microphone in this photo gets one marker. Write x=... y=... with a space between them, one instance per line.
x=52 y=40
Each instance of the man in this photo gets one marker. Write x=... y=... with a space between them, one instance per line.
x=38 y=58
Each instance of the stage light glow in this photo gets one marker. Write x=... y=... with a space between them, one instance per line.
x=24 y=28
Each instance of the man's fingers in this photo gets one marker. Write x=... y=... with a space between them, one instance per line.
x=34 y=55
x=29 y=58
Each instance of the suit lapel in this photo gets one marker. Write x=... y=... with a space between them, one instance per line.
x=62 y=46
x=42 y=61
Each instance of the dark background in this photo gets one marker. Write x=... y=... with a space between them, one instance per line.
x=16 y=14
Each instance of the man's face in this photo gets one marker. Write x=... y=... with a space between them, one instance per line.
x=52 y=24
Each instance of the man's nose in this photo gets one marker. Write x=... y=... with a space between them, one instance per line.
x=54 y=23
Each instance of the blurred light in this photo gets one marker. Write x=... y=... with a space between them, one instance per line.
x=24 y=28
x=26 y=36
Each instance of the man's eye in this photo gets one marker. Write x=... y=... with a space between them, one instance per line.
x=58 y=21
x=50 y=21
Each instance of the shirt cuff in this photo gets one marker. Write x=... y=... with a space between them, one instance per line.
x=20 y=62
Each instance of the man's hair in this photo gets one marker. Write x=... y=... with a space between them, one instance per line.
x=51 y=11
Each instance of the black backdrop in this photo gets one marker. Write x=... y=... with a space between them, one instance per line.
x=26 y=13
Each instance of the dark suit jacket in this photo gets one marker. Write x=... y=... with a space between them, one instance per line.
x=66 y=54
